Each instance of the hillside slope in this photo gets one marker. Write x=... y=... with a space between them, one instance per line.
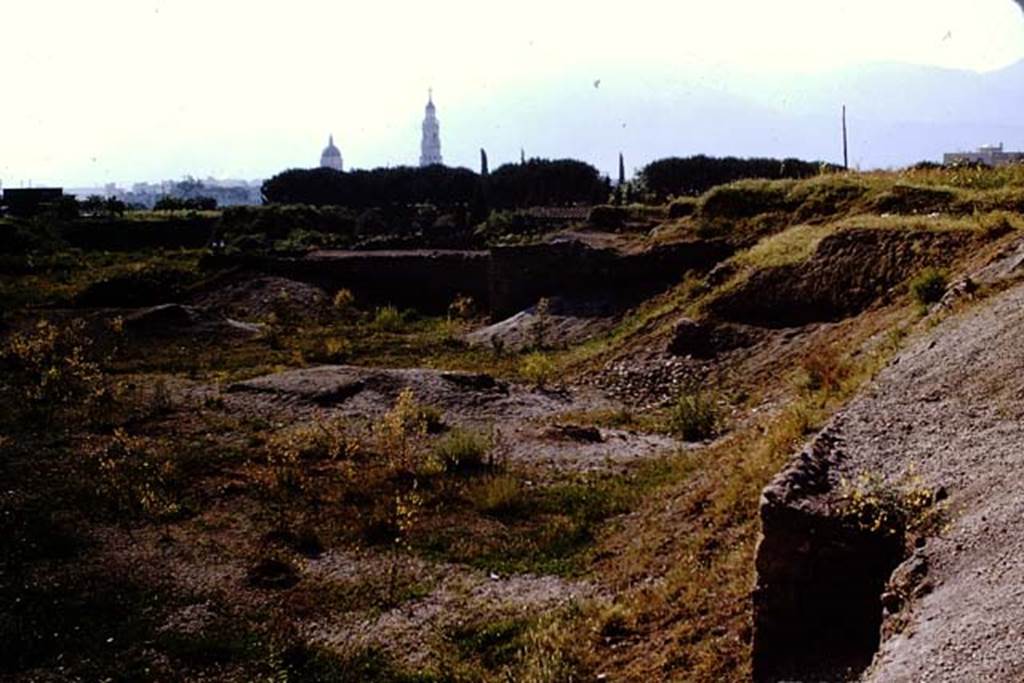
x=938 y=434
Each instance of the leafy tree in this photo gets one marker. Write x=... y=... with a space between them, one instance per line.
x=543 y=182
x=92 y=205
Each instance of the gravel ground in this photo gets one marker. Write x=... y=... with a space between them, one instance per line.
x=519 y=415
x=947 y=413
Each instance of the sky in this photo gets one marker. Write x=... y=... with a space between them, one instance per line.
x=133 y=90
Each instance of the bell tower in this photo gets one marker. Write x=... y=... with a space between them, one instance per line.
x=430 y=146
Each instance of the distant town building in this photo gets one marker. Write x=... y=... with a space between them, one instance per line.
x=227 y=192
x=331 y=157
x=25 y=202
x=990 y=155
x=430 y=146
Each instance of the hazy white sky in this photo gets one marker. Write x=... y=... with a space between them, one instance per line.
x=120 y=90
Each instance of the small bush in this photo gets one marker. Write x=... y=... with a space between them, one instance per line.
x=388 y=319
x=746 y=198
x=53 y=369
x=996 y=224
x=131 y=476
x=606 y=217
x=500 y=495
x=462 y=450
x=825 y=370
x=682 y=207
x=462 y=307
x=317 y=440
x=495 y=642
x=929 y=285
x=336 y=350
x=892 y=509
x=344 y=301
x=914 y=199
x=300 y=241
x=400 y=433
x=694 y=417
x=537 y=368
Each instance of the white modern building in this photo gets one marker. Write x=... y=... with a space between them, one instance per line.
x=990 y=155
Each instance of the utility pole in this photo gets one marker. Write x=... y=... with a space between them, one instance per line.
x=846 y=152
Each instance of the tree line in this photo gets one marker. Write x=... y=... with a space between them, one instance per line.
x=534 y=182
x=695 y=175
x=537 y=182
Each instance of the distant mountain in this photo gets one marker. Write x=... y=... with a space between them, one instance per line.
x=898 y=114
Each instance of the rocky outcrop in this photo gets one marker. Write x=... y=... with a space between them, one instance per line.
x=820 y=576
x=849 y=272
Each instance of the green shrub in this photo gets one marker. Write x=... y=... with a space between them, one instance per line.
x=929 y=285
x=537 y=368
x=694 y=417
x=914 y=199
x=54 y=368
x=825 y=370
x=891 y=508
x=148 y=285
x=498 y=496
x=388 y=319
x=827 y=195
x=344 y=302
x=461 y=307
x=301 y=240
x=607 y=217
x=462 y=450
x=682 y=207
x=131 y=476
x=996 y=224
x=746 y=198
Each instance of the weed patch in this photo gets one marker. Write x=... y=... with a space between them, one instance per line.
x=695 y=417
x=929 y=286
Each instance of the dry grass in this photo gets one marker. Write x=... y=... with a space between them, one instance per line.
x=793 y=245
x=690 y=616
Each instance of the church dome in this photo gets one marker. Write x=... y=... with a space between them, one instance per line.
x=331 y=156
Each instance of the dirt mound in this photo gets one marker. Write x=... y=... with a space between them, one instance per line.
x=258 y=298
x=942 y=420
x=565 y=322
x=848 y=273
